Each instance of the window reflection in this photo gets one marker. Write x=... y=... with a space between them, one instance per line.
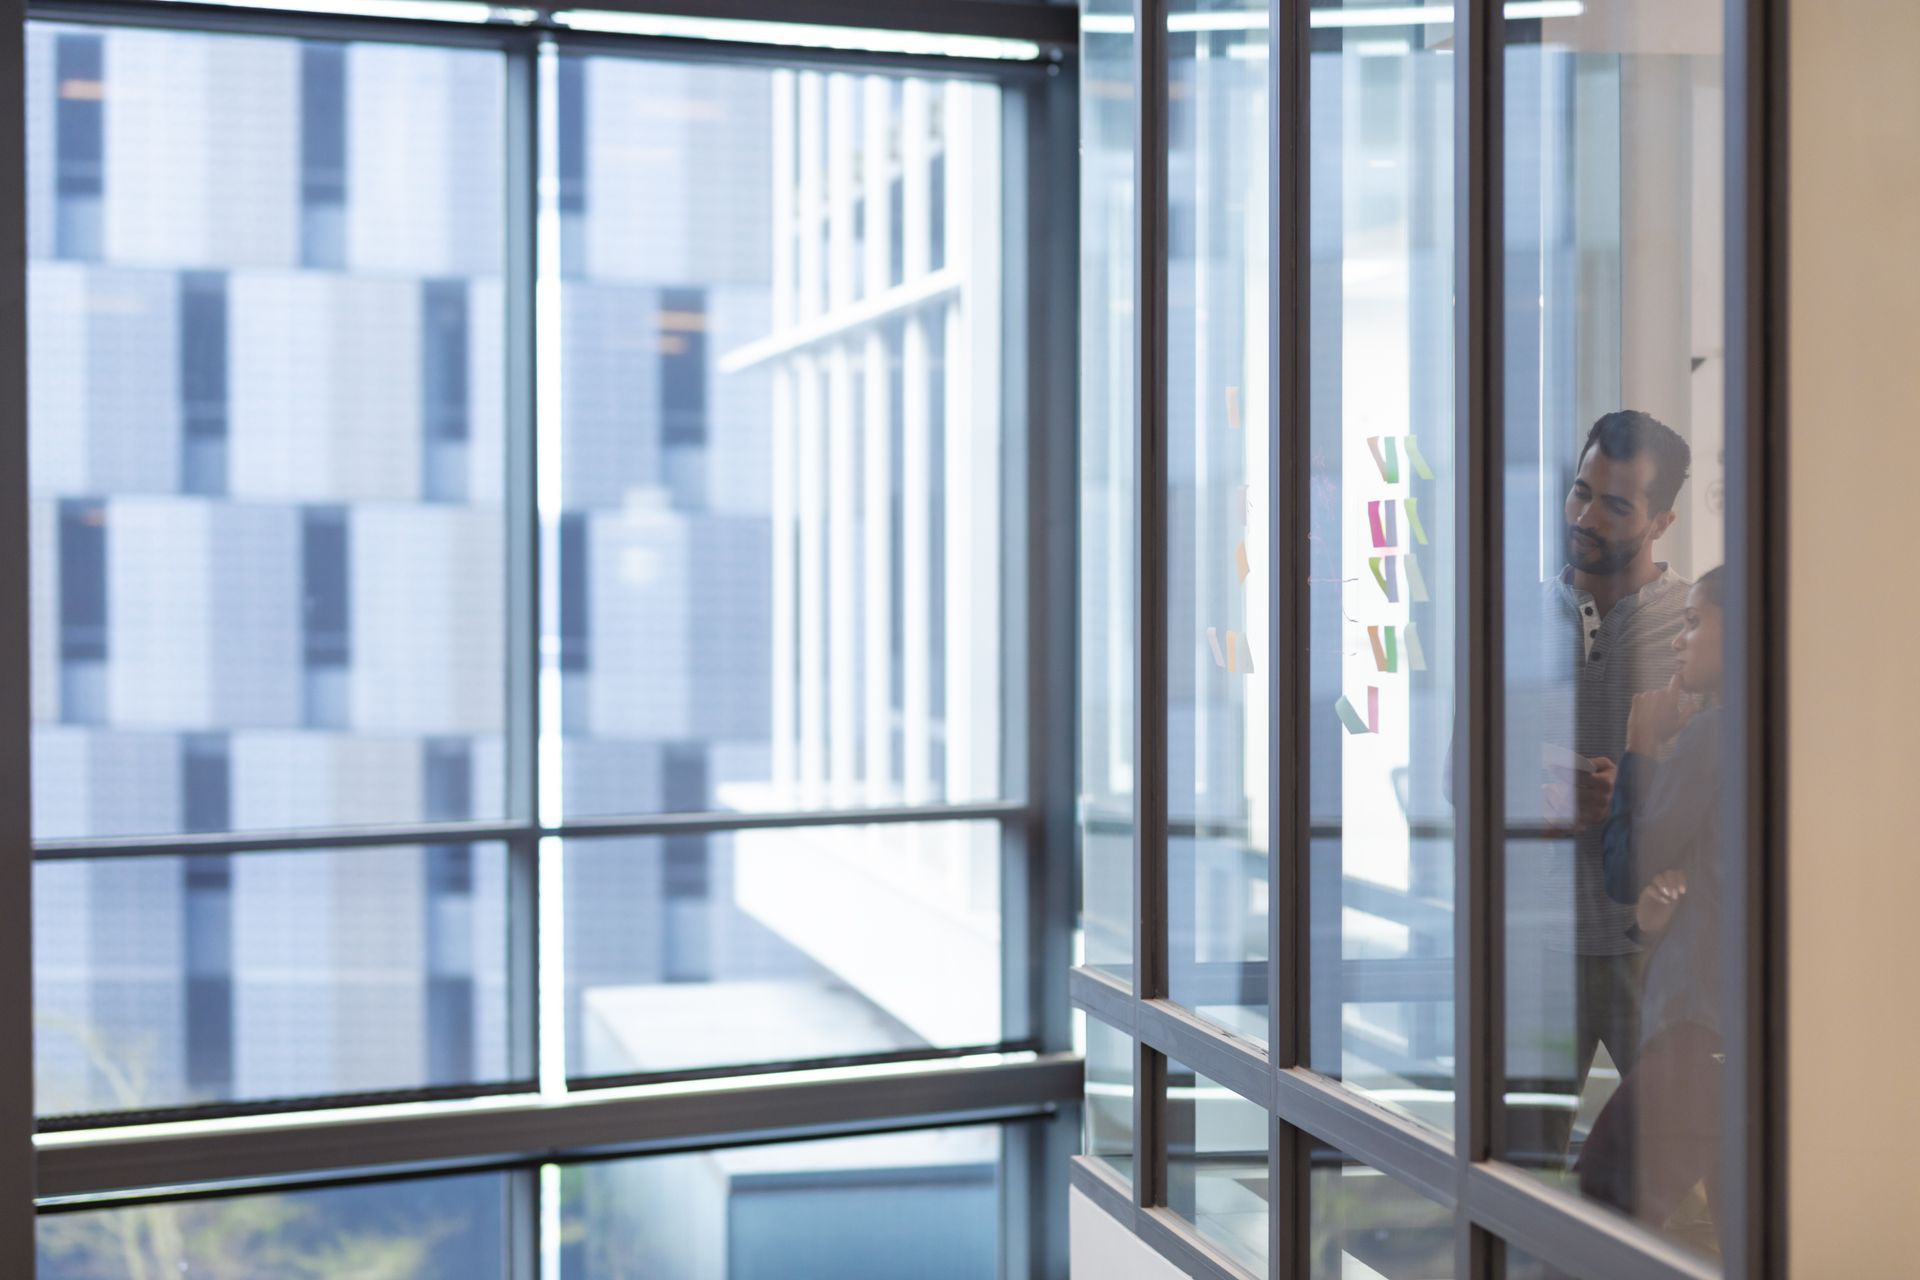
x=1217 y=1176
x=1218 y=575
x=1613 y=453
x=1381 y=590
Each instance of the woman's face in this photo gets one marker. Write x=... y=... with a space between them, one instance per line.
x=1698 y=645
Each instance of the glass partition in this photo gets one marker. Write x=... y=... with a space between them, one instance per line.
x=1613 y=451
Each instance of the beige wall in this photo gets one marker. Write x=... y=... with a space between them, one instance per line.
x=1854 y=700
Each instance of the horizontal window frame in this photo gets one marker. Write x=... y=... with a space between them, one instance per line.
x=446 y=1136
x=711 y=822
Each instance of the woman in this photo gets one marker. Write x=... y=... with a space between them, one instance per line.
x=1659 y=1135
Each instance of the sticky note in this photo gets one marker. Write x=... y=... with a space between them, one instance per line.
x=1373 y=709
x=1386 y=651
x=1233 y=408
x=1416 y=656
x=1213 y=638
x=1382 y=567
x=1413 y=521
x=1418 y=459
x=1349 y=717
x=1233 y=650
x=1386 y=531
x=1240 y=561
x=1416 y=581
x=1241 y=504
x=1386 y=456
x=1246 y=662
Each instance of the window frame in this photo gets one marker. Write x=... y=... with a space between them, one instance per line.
x=539 y=1114
x=1494 y=1202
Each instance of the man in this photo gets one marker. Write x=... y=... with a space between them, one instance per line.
x=1603 y=632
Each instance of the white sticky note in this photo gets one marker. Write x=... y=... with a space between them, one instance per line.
x=1213 y=638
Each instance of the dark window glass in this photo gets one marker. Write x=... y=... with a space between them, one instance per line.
x=207 y=923
x=575 y=651
x=572 y=124
x=683 y=367
x=203 y=382
x=447 y=775
x=323 y=154
x=83 y=581
x=79 y=143
x=444 y=407
x=323 y=555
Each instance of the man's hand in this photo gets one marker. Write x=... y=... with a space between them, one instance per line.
x=1659 y=900
x=1657 y=716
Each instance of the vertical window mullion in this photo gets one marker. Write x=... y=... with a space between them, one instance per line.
x=1150 y=703
x=1478 y=971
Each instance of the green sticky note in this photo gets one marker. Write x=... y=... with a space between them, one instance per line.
x=1349 y=717
x=1413 y=521
x=1419 y=461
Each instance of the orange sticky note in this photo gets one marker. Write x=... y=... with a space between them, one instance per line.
x=1240 y=561
x=1233 y=650
x=1233 y=408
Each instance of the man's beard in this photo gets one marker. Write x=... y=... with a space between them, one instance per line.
x=1601 y=558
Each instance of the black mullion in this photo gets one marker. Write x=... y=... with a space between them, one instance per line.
x=1479 y=1061
x=1288 y=555
x=1150 y=674
x=1754 y=788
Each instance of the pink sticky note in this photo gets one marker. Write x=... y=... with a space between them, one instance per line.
x=1373 y=709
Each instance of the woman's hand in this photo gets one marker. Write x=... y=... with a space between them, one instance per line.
x=1657 y=716
x=1659 y=900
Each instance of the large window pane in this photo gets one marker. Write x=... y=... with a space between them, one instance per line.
x=1108 y=1128
x=1217 y=509
x=451 y=1228
x=1613 y=446
x=1108 y=442
x=1368 y=1226
x=869 y=1208
x=1217 y=1175
x=171 y=981
x=1381 y=589
x=776 y=538
x=688 y=952
x=266 y=477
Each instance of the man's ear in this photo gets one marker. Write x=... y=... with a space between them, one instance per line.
x=1663 y=522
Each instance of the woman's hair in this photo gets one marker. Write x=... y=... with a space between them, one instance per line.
x=1712 y=585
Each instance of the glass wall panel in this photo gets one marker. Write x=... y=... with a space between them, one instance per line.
x=697 y=951
x=773 y=527
x=267 y=543
x=1613 y=450
x=1217 y=1175
x=1217 y=509
x=925 y=1203
x=1366 y=1226
x=1382 y=586
x=1109 y=566
x=1108 y=1120
x=450 y=1228
x=173 y=981
x=1518 y=1264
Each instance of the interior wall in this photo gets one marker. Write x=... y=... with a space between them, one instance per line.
x=1854 y=700
x=1103 y=1249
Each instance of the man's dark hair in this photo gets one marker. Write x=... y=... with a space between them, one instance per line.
x=1628 y=433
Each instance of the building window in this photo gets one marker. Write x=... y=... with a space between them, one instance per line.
x=80 y=139
x=443 y=389
x=323 y=155
x=83 y=611
x=207 y=922
x=571 y=155
x=447 y=774
x=327 y=619
x=203 y=383
x=685 y=868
